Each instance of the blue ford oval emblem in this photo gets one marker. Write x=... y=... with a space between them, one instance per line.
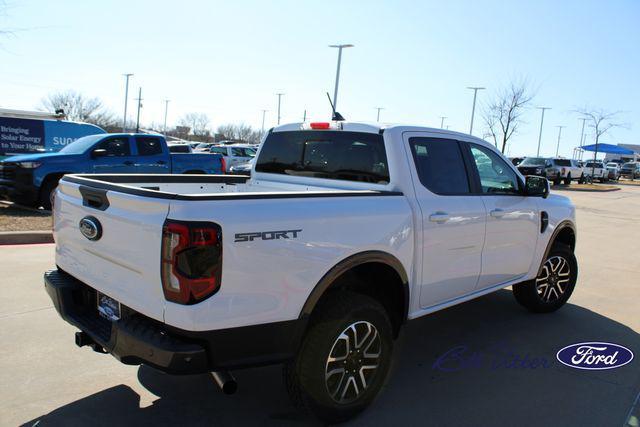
x=90 y=228
x=594 y=355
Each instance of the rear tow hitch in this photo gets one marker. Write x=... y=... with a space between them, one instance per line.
x=82 y=339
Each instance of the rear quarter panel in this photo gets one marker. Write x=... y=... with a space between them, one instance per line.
x=269 y=280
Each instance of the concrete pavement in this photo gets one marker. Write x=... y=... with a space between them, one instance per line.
x=46 y=378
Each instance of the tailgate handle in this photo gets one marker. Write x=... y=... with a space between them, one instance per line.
x=94 y=198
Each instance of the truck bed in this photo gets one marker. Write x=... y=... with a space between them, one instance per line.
x=210 y=187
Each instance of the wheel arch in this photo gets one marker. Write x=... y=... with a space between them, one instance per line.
x=565 y=233
x=360 y=263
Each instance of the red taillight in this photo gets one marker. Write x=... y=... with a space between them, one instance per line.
x=191 y=260
x=320 y=125
x=223 y=165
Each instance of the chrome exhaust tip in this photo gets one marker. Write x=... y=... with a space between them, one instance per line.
x=225 y=381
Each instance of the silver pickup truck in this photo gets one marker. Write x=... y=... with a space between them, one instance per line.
x=343 y=233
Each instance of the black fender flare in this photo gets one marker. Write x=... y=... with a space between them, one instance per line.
x=347 y=264
x=561 y=226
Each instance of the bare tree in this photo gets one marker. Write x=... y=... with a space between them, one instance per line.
x=503 y=113
x=199 y=124
x=601 y=121
x=239 y=132
x=78 y=107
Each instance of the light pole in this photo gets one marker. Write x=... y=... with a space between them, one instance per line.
x=279 y=100
x=442 y=121
x=473 y=109
x=126 y=98
x=559 y=133
x=335 y=91
x=139 y=99
x=166 y=108
x=582 y=132
x=264 y=112
x=541 y=122
x=378 y=117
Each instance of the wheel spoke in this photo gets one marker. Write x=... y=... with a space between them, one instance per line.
x=353 y=362
x=553 y=279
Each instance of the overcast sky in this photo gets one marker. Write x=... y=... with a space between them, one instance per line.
x=415 y=59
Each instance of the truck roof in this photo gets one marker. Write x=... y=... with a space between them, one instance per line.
x=370 y=127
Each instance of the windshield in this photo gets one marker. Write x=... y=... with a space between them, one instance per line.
x=350 y=156
x=628 y=166
x=533 y=161
x=562 y=162
x=81 y=145
x=594 y=165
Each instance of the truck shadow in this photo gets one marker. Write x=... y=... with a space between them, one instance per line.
x=489 y=385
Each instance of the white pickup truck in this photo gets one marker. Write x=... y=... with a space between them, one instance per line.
x=344 y=232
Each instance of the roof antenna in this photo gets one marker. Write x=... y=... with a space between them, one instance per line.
x=337 y=117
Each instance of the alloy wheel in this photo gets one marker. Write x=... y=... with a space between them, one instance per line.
x=553 y=281
x=353 y=362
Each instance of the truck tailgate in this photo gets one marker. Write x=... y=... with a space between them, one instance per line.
x=124 y=261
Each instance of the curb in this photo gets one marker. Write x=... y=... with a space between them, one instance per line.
x=25 y=237
x=587 y=190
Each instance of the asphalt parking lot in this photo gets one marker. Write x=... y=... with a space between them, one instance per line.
x=45 y=378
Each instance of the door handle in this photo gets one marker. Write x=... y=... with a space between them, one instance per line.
x=127 y=162
x=439 y=217
x=497 y=213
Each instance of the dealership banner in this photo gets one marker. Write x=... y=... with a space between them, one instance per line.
x=19 y=136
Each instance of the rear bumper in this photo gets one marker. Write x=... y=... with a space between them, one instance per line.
x=136 y=339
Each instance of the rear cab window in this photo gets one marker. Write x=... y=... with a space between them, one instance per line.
x=339 y=155
x=562 y=162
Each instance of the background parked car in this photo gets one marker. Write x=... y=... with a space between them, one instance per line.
x=596 y=170
x=515 y=161
x=558 y=170
x=533 y=166
x=242 y=168
x=234 y=155
x=203 y=147
x=613 y=170
x=630 y=170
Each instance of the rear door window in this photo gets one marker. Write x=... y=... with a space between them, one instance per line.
x=340 y=155
x=440 y=165
x=148 y=146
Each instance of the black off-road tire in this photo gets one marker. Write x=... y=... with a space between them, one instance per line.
x=582 y=179
x=46 y=190
x=540 y=299
x=304 y=377
x=557 y=180
x=567 y=180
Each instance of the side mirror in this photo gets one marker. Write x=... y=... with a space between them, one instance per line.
x=536 y=186
x=98 y=152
